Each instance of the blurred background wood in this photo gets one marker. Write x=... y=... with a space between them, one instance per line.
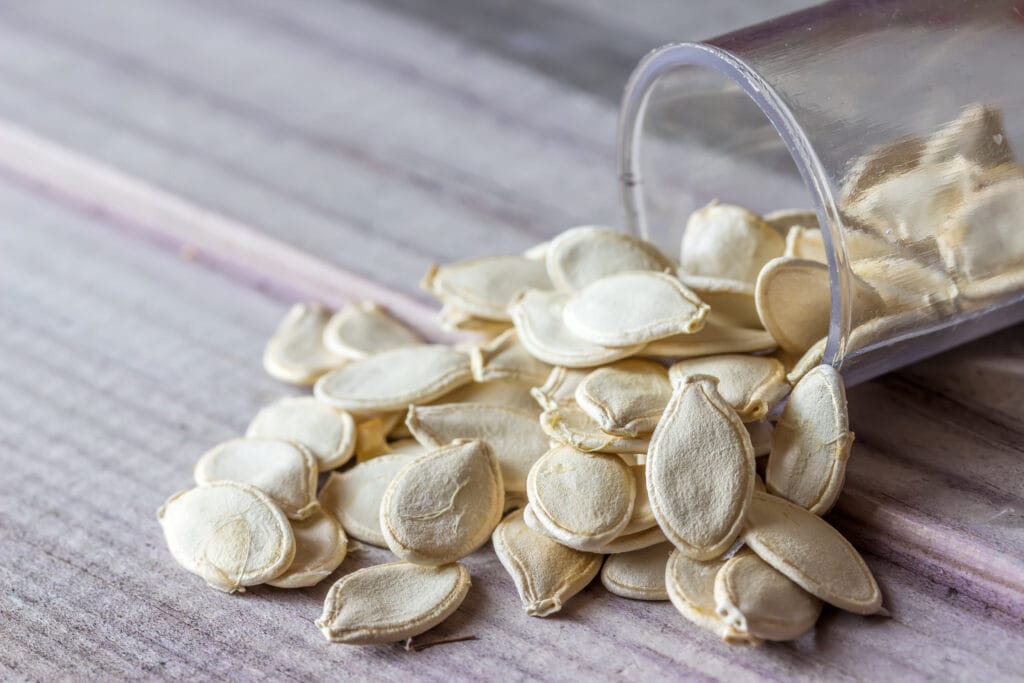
x=371 y=139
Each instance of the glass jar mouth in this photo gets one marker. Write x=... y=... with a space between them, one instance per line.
x=676 y=56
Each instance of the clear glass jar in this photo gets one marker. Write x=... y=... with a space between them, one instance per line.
x=897 y=120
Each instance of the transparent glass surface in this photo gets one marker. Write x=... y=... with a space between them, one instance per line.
x=898 y=121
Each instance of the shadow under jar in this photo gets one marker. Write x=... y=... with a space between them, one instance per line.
x=899 y=121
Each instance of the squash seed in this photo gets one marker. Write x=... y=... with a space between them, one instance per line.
x=364 y=329
x=354 y=496
x=504 y=358
x=546 y=573
x=581 y=500
x=794 y=302
x=497 y=392
x=625 y=543
x=320 y=547
x=752 y=385
x=809 y=243
x=559 y=389
x=731 y=301
x=728 y=242
x=625 y=398
x=784 y=220
x=283 y=470
x=230 y=534
x=296 y=353
x=515 y=436
x=387 y=603
x=372 y=434
x=443 y=505
x=718 y=336
x=538 y=319
x=642 y=517
x=811 y=553
x=760 y=437
x=453 y=319
x=571 y=426
x=811 y=443
x=634 y=307
x=639 y=574
x=484 y=287
x=392 y=380
x=906 y=284
x=977 y=134
x=583 y=255
x=752 y=597
x=690 y=585
x=328 y=433
x=700 y=470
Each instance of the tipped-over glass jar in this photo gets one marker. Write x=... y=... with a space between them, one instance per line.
x=898 y=120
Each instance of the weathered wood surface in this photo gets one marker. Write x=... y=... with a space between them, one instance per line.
x=378 y=138
x=109 y=394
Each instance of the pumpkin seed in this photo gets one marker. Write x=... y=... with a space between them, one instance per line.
x=784 y=220
x=328 y=433
x=811 y=443
x=634 y=307
x=752 y=385
x=811 y=554
x=515 y=436
x=731 y=301
x=625 y=543
x=625 y=398
x=760 y=437
x=639 y=574
x=230 y=534
x=453 y=319
x=690 y=585
x=296 y=353
x=809 y=243
x=497 y=392
x=387 y=603
x=392 y=380
x=571 y=426
x=977 y=135
x=728 y=242
x=700 y=470
x=906 y=284
x=642 y=517
x=372 y=434
x=754 y=598
x=364 y=329
x=582 y=500
x=354 y=496
x=559 y=389
x=504 y=358
x=283 y=470
x=546 y=573
x=484 y=287
x=718 y=336
x=583 y=255
x=320 y=547
x=443 y=505
x=538 y=319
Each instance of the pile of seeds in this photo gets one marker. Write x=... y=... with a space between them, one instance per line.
x=614 y=413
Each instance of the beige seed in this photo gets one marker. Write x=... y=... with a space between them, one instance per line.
x=811 y=443
x=504 y=358
x=497 y=392
x=634 y=307
x=582 y=500
x=364 y=329
x=296 y=352
x=728 y=242
x=907 y=285
x=639 y=574
x=484 y=287
x=625 y=543
x=718 y=336
x=809 y=243
x=320 y=547
x=538 y=319
x=372 y=434
x=328 y=433
x=760 y=437
x=643 y=516
x=571 y=426
x=515 y=436
x=754 y=598
x=546 y=573
x=784 y=220
x=230 y=534
x=392 y=380
x=583 y=255
x=387 y=603
x=283 y=470
x=794 y=302
x=353 y=497
x=443 y=505
x=811 y=553
x=690 y=585
x=878 y=164
x=625 y=398
x=752 y=385
x=559 y=389
x=453 y=319
x=700 y=470
x=977 y=135
x=732 y=302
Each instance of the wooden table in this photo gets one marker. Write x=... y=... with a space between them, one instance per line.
x=174 y=174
